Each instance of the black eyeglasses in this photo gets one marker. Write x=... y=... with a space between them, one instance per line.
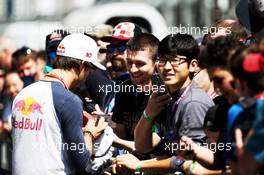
x=116 y=47
x=22 y=51
x=175 y=61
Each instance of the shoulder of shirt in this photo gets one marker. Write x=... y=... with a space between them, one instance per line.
x=196 y=94
x=58 y=89
x=128 y=81
x=69 y=94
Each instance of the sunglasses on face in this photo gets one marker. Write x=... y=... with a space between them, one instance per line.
x=116 y=47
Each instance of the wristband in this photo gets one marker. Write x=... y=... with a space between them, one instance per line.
x=148 y=118
x=138 y=168
x=176 y=163
x=89 y=133
x=154 y=129
x=192 y=166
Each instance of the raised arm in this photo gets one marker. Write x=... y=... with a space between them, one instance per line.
x=145 y=140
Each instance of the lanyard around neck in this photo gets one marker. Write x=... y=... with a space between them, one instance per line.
x=58 y=78
x=180 y=98
x=183 y=94
x=213 y=95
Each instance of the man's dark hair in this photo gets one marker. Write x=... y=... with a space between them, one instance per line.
x=144 y=41
x=41 y=55
x=68 y=63
x=179 y=44
x=254 y=81
x=216 y=53
x=21 y=56
x=238 y=31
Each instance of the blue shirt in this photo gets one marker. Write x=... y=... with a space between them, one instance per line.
x=255 y=144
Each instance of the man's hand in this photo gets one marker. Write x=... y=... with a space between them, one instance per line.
x=187 y=143
x=96 y=126
x=98 y=110
x=188 y=148
x=157 y=103
x=239 y=142
x=128 y=161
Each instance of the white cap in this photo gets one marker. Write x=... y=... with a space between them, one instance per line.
x=80 y=46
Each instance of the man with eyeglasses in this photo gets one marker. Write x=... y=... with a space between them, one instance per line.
x=176 y=63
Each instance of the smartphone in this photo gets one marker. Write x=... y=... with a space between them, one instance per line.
x=108 y=118
x=158 y=84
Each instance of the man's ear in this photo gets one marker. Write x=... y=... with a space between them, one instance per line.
x=193 y=66
x=85 y=65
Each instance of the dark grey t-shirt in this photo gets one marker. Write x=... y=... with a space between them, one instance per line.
x=187 y=117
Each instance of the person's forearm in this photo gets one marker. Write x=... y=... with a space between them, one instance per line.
x=160 y=166
x=247 y=164
x=143 y=136
x=119 y=130
x=190 y=167
x=88 y=138
x=125 y=144
x=7 y=127
x=204 y=156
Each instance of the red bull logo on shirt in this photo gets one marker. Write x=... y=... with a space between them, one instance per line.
x=29 y=111
x=27 y=106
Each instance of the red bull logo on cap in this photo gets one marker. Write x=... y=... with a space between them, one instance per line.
x=61 y=49
x=25 y=108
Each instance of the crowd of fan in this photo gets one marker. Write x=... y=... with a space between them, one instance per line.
x=209 y=118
